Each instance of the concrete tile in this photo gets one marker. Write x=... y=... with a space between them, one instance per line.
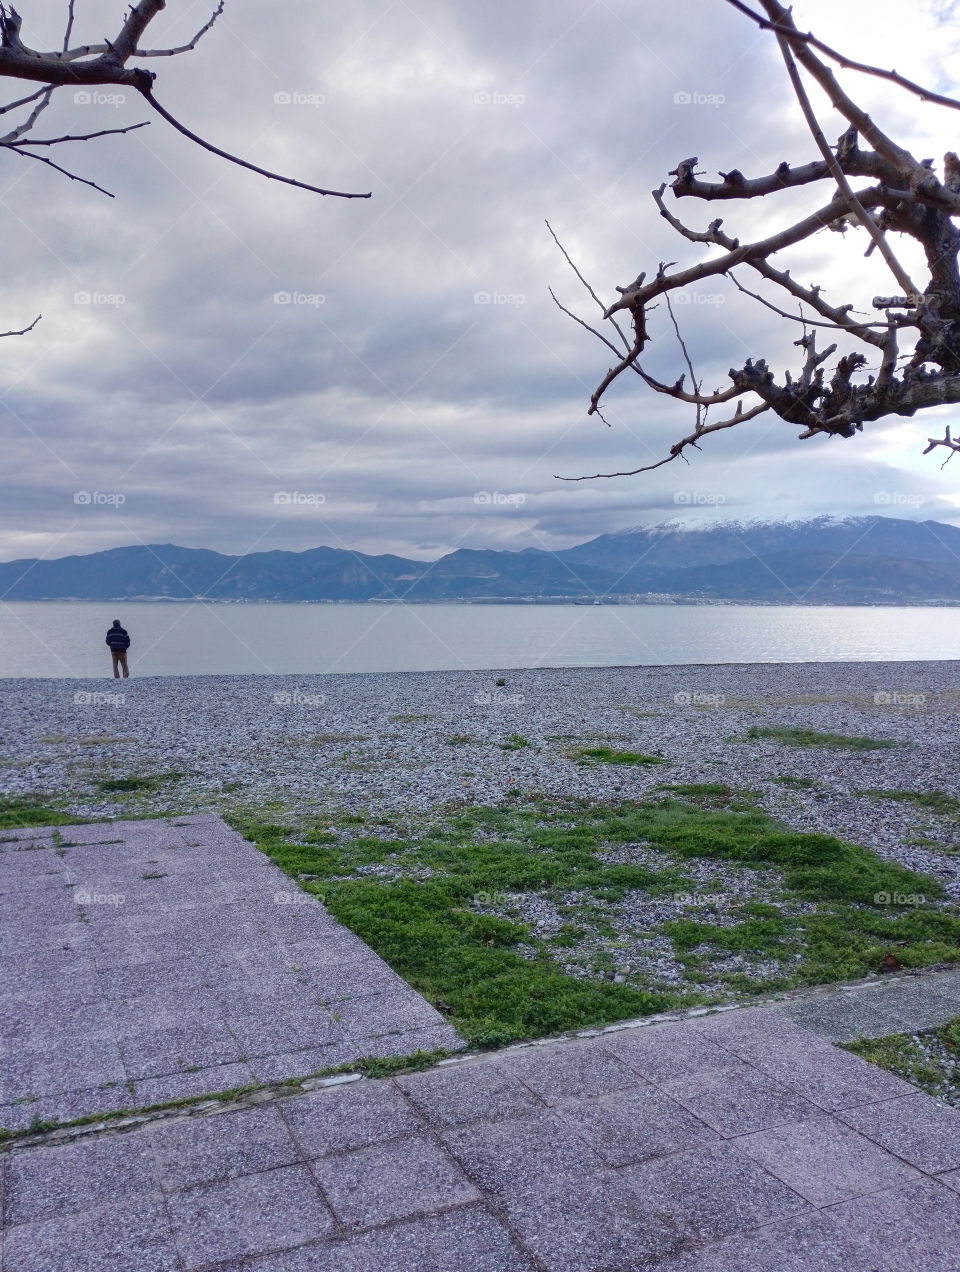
x=337 y=970
x=66 y=1106
x=437 y=1038
x=712 y=1191
x=522 y=1155
x=254 y=1214
x=810 y=1242
x=468 y=1092
x=826 y=1161
x=377 y=1014
x=596 y=1224
x=348 y=1117
x=321 y=1256
x=916 y=1228
x=201 y=1149
x=115 y=1238
x=630 y=1126
x=912 y=1004
x=178 y=1086
x=273 y=1032
x=915 y=1127
x=158 y=1052
x=391 y=1181
x=829 y=1077
x=569 y=1070
x=41 y=1072
x=737 y=1101
x=470 y=1239
x=300 y=1064
x=49 y=1181
x=951 y=1178
x=841 y=1019
x=660 y=1053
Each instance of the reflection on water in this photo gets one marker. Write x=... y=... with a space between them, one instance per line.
x=56 y=638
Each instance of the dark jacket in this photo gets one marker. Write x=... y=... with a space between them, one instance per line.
x=117 y=637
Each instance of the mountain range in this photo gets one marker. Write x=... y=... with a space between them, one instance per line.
x=824 y=560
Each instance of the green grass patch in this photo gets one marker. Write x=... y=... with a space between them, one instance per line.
x=932 y=1066
x=514 y=742
x=606 y=755
x=808 y=737
x=935 y=801
x=499 y=981
x=31 y=811
x=797 y=783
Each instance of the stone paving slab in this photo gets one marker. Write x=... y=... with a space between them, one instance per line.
x=902 y=1004
x=561 y=1157
x=145 y=962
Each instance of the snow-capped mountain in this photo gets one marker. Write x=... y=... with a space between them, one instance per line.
x=823 y=560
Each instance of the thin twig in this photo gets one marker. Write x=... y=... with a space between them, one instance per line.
x=23 y=330
x=925 y=94
x=602 y=306
x=29 y=154
x=242 y=163
x=686 y=356
x=899 y=273
x=184 y=48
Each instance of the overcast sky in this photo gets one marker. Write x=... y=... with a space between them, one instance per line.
x=225 y=362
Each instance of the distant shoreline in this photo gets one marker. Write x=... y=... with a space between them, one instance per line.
x=513 y=602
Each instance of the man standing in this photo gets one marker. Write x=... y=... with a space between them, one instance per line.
x=119 y=643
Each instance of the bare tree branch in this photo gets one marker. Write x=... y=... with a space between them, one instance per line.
x=184 y=48
x=243 y=163
x=106 y=64
x=834 y=392
x=23 y=330
x=925 y=94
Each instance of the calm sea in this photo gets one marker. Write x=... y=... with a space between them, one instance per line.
x=55 y=638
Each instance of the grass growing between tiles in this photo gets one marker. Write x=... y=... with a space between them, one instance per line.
x=452 y=903
x=929 y=1059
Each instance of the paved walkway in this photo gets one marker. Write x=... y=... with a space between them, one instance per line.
x=738 y=1142
x=141 y=962
x=896 y=1004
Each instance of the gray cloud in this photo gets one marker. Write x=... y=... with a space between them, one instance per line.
x=210 y=339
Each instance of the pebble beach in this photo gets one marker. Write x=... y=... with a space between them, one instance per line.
x=411 y=742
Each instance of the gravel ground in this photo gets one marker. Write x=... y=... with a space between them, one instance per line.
x=409 y=742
